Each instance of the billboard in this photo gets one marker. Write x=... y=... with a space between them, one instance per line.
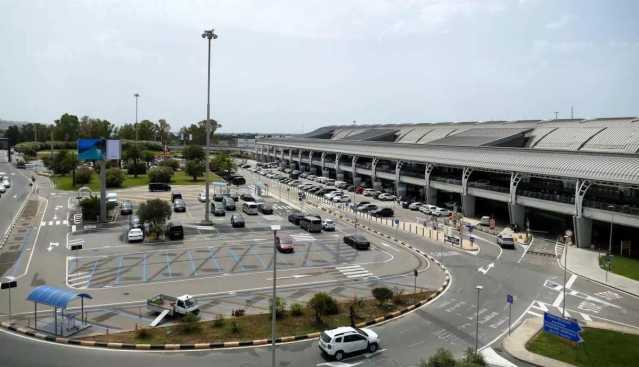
x=91 y=149
x=113 y=149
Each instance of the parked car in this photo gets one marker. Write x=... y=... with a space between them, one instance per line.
x=346 y=340
x=218 y=209
x=126 y=208
x=265 y=208
x=357 y=241
x=440 y=212
x=202 y=197
x=237 y=221
x=328 y=225
x=112 y=198
x=175 y=195
x=405 y=204
x=284 y=244
x=247 y=197
x=229 y=203
x=135 y=235
x=484 y=221
x=427 y=209
x=415 y=205
x=134 y=222
x=356 y=204
x=386 y=197
x=174 y=231
x=367 y=208
x=179 y=206
x=159 y=186
x=218 y=197
x=382 y=212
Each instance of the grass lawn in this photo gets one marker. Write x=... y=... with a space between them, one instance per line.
x=600 y=348
x=625 y=266
x=179 y=178
x=250 y=327
x=45 y=153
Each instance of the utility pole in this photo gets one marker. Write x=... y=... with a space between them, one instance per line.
x=479 y=288
x=210 y=35
x=572 y=113
x=556 y=114
x=274 y=228
x=136 y=95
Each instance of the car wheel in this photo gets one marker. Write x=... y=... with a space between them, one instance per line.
x=372 y=348
x=339 y=355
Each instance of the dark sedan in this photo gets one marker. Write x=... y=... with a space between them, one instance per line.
x=382 y=212
x=295 y=217
x=357 y=241
x=126 y=208
x=247 y=197
x=265 y=208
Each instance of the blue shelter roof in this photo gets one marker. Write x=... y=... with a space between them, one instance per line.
x=55 y=297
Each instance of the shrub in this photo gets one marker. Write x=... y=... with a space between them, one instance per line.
x=114 y=177
x=297 y=309
x=160 y=174
x=190 y=323
x=193 y=152
x=83 y=175
x=172 y=163
x=382 y=294
x=237 y=313
x=195 y=168
x=397 y=296
x=473 y=359
x=148 y=156
x=280 y=307
x=441 y=358
x=322 y=304
x=133 y=168
x=142 y=333
x=219 y=321
x=235 y=327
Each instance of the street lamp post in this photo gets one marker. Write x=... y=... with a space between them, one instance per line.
x=210 y=35
x=136 y=95
x=479 y=288
x=274 y=228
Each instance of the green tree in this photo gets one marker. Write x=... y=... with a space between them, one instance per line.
x=155 y=212
x=173 y=163
x=193 y=152
x=163 y=130
x=136 y=169
x=196 y=133
x=146 y=130
x=133 y=153
x=67 y=128
x=160 y=174
x=195 y=168
x=127 y=131
x=114 y=177
x=61 y=162
x=222 y=162
x=148 y=156
x=322 y=304
x=95 y=128
x=13 y=134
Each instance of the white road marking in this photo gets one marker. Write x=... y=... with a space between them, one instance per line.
x=570 y=281
x=558 y=300
x=486 y=269
x=585 y=316
x=296 y=276
x=493 y=359
x=390 y=247
x=52 y=245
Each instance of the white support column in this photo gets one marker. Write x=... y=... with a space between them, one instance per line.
x=398 y=168
x=356 y=179
x=338 y=173
x=430 y=194
x=322 y=163
x=516 y=212
x=468 y=201
x=583 y=225
x=373 y=171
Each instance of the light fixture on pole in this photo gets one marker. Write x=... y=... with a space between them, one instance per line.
x=274 y=228
x=136 y=95
x=210 y=35
x=479 y=288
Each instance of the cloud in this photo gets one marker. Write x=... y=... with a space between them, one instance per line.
x=560 y=23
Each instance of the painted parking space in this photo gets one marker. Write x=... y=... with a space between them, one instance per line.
x=175 y=263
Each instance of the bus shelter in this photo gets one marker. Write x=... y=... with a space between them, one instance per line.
x=58 y=299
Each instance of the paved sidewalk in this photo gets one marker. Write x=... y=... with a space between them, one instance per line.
x=585 y=263
x=515 y=345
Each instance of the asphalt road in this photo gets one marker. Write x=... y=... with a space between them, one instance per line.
x=12 y=199
x=534 y=281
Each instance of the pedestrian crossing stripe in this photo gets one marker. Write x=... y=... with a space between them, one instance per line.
x=302 y=237
x=54 y=223
x=537 y=309
x=353 y=271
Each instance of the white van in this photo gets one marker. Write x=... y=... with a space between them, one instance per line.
x=250 y=208
x=505 y=238
x=112 y=198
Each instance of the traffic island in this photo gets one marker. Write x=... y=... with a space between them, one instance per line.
x=297 y=323
x=603 y=345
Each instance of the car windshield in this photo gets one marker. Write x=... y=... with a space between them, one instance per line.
x=189 y=303
x=325 y=337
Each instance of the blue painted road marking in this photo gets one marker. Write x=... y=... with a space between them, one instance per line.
x=95 y=264
x=212 y=257
x=119 y=271
x=193 y=272
x=236 y=259
x=144 y=267
x=168 y=265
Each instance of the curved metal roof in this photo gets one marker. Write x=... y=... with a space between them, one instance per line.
x=605 y=167
x=55 y=297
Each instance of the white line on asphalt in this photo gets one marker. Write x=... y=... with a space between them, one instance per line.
x=558 y=300
x=390 y=247
x=35 y=241
x=525 y=250
x=535 y=314
x=585 y=316
x=571 y=281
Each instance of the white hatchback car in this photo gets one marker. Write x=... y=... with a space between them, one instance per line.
x=346 y=339
x=3 y=189
x=135 y=235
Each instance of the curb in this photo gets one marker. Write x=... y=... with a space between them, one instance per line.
x=240 y=343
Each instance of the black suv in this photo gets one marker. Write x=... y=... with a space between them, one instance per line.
x=174 y=231
x=295 y=217
x=159 y=186
x=247 y=197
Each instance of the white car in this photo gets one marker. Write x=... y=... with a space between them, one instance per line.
x=135 y=235
x=328 y=225
x=331 y=195
x=440 y=212
x=202 y=197
x=415 y=205
x=6 y=183
x=343 y=199
x=427 y=209
x=346 y=339
x=386 y=197
x=112 y=198
x=3 y=189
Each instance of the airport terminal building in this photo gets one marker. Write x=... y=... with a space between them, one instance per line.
x=551 y=175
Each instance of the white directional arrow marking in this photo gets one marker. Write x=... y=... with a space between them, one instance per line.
x=296 y=276
x=486 y=269
x=52 y=245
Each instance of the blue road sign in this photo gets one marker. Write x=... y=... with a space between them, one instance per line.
x=564 y=328
x=509 y=298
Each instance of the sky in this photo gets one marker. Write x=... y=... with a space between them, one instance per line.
x=292 y=66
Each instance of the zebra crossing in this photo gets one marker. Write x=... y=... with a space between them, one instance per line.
x=79 y=280
x=51 y=223
x=538 y=308
x=354 y=271
x=281 y=207
x=302 y=237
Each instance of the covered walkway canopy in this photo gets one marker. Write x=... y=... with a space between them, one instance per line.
x=55 y=297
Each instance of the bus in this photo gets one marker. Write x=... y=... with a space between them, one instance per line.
x=311 y=224
x=250 y=208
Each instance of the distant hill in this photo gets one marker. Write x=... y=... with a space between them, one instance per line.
x=4 y=124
